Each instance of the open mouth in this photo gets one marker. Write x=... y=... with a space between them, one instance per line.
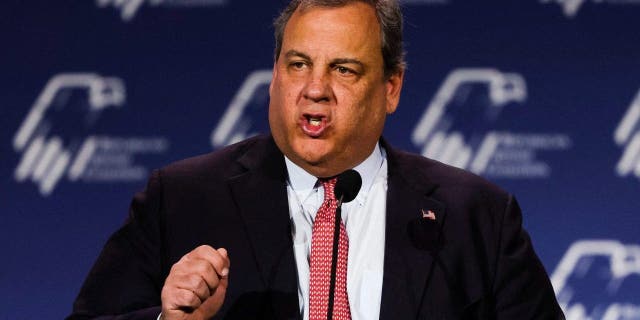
x=313 y=125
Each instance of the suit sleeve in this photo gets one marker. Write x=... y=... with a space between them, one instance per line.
x=126 y=280
x=522 y=288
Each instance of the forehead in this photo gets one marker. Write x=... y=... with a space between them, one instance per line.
x=352 y=28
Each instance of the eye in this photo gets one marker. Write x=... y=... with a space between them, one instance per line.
x=297 y=65
x=344 y=70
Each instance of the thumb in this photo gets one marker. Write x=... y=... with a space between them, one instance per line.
x=212 y=305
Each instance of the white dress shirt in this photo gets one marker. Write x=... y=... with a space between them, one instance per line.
x=364 y=219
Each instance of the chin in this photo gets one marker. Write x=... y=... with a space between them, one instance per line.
x=314 y=160
x=313 y=151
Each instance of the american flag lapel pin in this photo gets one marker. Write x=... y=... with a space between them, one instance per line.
x=428 y=215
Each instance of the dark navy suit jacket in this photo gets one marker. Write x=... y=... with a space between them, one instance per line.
x=474 y=261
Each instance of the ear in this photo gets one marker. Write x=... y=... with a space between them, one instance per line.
x=274 y=74
x=393 y=87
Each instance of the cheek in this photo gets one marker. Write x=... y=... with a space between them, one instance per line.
x=363 y=106
x=276 y=110
x=284 y=93
x=366 y=114
x=282 y=112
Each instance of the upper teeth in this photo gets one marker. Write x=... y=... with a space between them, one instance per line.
x=314 y=121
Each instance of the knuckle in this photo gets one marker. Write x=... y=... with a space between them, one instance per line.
x=217 y=261
x=193 y=281
x=180 y=265
x=168 y=294
x=202 y=268
x=203 y=249
x=203 y=290
x=188 y=298
x=214 y=282
x=181 y=297
x=175 y=267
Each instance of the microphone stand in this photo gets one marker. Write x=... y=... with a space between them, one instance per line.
x=334 y=258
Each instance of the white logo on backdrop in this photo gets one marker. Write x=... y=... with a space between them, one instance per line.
x=607 y=272
x=129 y=8
x=627 y=135
x=49 y=151
x=570 y=8
x=439 y=133
x=237 y=123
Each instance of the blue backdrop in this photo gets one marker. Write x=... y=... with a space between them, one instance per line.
x=539 y=96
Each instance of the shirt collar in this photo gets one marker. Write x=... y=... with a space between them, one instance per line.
x=303 y=182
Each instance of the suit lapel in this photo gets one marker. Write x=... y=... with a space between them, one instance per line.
x=261 y=196
x=412 y=238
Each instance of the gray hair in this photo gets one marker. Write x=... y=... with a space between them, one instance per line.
x=389 y=17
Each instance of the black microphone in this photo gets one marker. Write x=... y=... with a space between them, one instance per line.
x=347 y=186
x=345 y=190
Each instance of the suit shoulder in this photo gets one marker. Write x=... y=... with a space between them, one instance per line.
x=222 y=162
x=418 y=169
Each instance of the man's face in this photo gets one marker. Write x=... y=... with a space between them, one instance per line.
x=329 y=96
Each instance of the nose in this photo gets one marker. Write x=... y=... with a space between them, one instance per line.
x=318 y=88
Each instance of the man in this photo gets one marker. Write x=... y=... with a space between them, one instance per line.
x=229 y=234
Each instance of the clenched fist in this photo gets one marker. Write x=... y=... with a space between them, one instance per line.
x=196 y=285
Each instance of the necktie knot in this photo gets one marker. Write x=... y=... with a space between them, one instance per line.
x=329 y=186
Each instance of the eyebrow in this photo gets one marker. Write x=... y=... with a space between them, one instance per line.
x=294 y=53
x=347 y=60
